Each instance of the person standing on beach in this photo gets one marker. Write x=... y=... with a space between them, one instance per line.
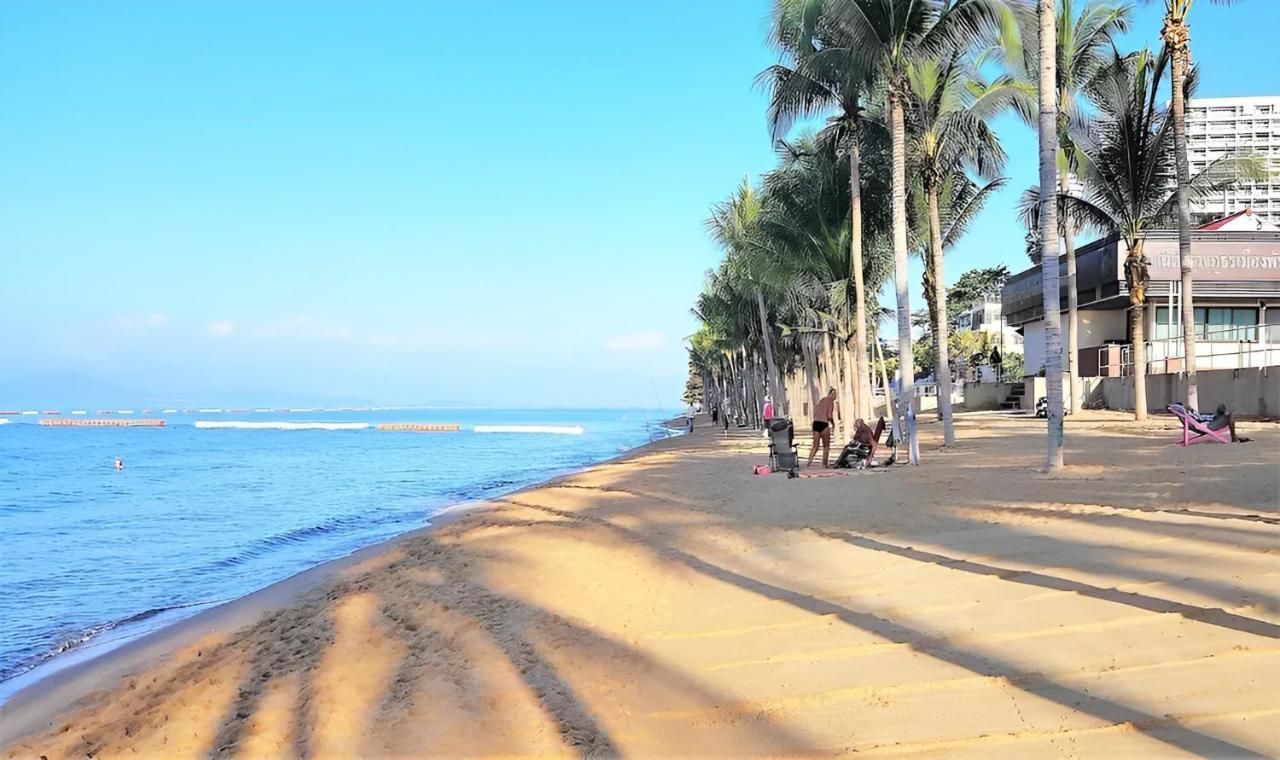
x=824 y=416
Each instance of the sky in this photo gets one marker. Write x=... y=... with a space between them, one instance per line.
x=401 y=202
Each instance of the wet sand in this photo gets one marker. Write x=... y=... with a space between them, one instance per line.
x=672 y=603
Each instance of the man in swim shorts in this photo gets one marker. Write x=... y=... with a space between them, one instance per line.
x=824 y=416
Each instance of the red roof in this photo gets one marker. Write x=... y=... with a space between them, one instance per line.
x=1219 y=223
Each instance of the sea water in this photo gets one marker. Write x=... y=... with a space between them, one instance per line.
x=91 y=555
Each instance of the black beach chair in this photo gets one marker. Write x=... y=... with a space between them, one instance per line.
x=782 y=447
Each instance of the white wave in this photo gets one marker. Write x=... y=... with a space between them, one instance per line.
x=3 y=421
x=552 y=429
x=240 y=425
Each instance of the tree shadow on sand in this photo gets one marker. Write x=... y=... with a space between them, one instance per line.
x=1161 y=728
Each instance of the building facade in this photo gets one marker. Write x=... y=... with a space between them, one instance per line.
x=987 y=317
x=1218 y=127
x=1236 y=303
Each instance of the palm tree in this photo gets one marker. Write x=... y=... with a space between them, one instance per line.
x=735 y=226
x=1082 y=42
x=825 y=75
x=1127 y=162
x=1177 y=40
x=806 y=225
x=950 y=105
x=1048 y=129
x=885 y=37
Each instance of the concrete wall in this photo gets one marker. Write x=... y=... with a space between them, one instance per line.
x=1097 y=326
x=1252 y=391
x=985 y=395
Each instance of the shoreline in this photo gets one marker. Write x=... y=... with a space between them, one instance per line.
x=671 y=601
x=51 y=694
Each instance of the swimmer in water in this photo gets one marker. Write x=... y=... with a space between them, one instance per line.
x=119 y=463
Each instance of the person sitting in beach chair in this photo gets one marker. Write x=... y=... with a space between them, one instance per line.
x=783 y=454
x=861 y=451
x=1205 y=427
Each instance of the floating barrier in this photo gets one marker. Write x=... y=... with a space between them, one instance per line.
x=10 y=411
x=244 y=425
x=78 y=411
x=102 y=423
x=52 y=411
x=549 y=429
x=420 y=427
x=30 y=412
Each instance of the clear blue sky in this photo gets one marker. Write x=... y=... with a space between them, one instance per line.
x=399 y=202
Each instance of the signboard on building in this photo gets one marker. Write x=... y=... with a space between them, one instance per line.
x=1213 y=261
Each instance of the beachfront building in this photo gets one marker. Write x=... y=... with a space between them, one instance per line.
x=1237 y=304
x=988 y=317
x=1218 y=127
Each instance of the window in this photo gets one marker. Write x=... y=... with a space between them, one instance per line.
x=1212 y=323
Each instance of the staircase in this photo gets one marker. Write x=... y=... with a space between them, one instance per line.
x=1014 y=400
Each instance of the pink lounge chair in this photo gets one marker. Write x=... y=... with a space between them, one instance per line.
x=1203 y=433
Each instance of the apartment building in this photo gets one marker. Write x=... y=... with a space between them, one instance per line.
x=1219 y=127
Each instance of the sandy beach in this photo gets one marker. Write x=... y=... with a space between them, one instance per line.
x=673 y=603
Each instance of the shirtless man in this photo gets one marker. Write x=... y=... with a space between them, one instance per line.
x=824 y=416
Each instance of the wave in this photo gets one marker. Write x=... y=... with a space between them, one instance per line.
x=242 y=425
x=3 y=421
x=550 y=429
x=78 y=639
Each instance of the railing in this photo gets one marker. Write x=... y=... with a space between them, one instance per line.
x=1230 y=347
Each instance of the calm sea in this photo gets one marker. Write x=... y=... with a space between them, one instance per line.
x=91 y=555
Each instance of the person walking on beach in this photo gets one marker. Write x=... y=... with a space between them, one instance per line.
x=824 y=416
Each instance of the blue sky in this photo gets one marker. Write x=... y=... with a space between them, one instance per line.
x=399 y=202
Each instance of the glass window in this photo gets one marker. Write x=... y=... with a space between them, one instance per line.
x=1246 y=321
x=1212 y=323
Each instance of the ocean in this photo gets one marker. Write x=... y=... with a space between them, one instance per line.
x=91 y=556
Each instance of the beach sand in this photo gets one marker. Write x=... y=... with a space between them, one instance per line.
x=674 y=604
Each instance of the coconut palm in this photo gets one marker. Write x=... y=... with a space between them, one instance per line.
x=1127 y=163
x=824 y=75
x=808 y=225
x=735 y=226
x=885 y=37
x=1083 y=43
x=950 y=105
x=1048 y=134
x=1177 y=40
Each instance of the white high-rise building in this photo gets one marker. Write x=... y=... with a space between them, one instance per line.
x=1221 y=126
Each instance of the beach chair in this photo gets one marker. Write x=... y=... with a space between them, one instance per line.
x=783 y=455
x=1194 y=425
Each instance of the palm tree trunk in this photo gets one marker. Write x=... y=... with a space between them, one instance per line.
x=859 y=287
x=906 y=356
x=1136 y=302
x=1139 y=364
x=1048 y=128
x=1177 y=37
x=837 y=380
x=942 y=370
x=848 y=411
x=810 y=371
x=888 y=394
x=1073 y=298
x=766 y=337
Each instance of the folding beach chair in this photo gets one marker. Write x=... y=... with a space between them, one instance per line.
x=1191 y=424
x=783 y=454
